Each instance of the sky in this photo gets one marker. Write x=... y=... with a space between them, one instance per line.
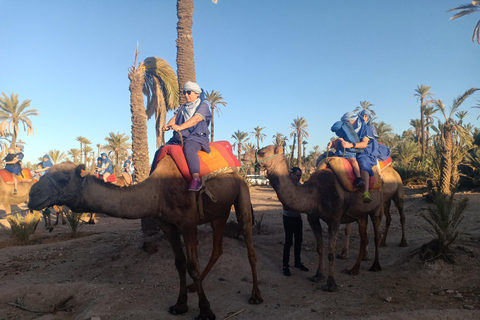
x=272 y=61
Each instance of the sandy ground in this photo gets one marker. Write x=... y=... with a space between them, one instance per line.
x=104 y=274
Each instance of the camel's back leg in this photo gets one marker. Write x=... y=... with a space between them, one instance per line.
x=346 y=245
x=172 y=234
x=388 y=220
x=314 y=223
x=362 y=230
x=398 y=199
x=376 y=217
x=244 y=213
x=333 y=227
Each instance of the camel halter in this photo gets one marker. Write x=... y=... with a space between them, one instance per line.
x=65 y=196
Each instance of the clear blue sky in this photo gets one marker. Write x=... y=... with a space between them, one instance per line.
x=271 y=60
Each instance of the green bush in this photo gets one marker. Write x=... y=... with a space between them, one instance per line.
x=23 y=227
x=74 y=219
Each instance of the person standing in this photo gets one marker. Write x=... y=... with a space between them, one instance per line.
x=293 y=225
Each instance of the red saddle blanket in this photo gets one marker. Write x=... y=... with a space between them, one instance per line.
x=26 y=176
x=221 y=156
x=111 y=178
x=344 y=172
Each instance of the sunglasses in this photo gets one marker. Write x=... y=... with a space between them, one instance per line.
x=187 y=92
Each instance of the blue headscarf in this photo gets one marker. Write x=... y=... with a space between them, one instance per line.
x=48 y=163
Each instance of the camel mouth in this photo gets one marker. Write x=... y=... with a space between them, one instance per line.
x=37 y=206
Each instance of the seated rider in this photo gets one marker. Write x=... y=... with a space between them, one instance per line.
x=99 y=169
x=191 y=120
x=19 y=148
x=107 y=166
x=11 y=166
x=46 y=164
x=38 y=173
x=383 y=150
x=355 y=127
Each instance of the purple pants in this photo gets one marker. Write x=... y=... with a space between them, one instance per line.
x=190 y=150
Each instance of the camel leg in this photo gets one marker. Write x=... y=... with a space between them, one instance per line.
x=172 y=234
x=218 y=226
x=362 y=230
x=92 y=219
x=244 y=212
x=346 y=245
x=331 y=285
x=398 y=199
x=388 y=220
x=317 y=231
x=376 y=217
x=190 y=238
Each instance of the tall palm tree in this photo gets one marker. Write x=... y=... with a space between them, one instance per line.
x=428 y=112
x=80 y=139
x=259 y=136
x=214 y=98
x=466 y=9
x=161 y=90
x=240 y=138
x=11 y=114
x=56 y=156
x=450 y=127
x=423 y=92
x=304 y=144
x=117 y=144
x=136 y=75
x=185 y=53
x=364 y=105
x=88 y=151
x=74 y=153
x=299 y=126
x=86 y=148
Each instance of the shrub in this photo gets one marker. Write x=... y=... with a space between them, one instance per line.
x=23 y=227
x=74 y=219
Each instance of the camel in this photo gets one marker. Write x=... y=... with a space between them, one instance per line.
x=322 y=197
x=7 y=198
x=392 y=190
x=164 y=196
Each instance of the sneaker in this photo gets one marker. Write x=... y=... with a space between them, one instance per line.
x=300 y=266
x=286 y=272
x=359 y=182
x=367 y=198
x=15 y=191
x=195 y=185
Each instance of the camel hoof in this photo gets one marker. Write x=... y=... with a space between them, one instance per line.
x=206 y=315
x=366 y=257
x=318 y=277
x=91 y=222
x=176 y=309
x=331 y=285
x=256 y=298
x=342 y=256
x=151 y=247
x=355 y=271
x=375 y=267
x=382 y=244
x=403 y=243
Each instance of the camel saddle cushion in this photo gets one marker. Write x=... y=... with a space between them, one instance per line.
x=111 y=178
x=220 y=157
x=344 y=172
x=26 y=176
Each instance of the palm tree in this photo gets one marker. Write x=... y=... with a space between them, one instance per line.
x=56 y=156
x=407 y=150
x=304 y=144
x=259 y=136
x=364 y=105
x=161 y=90
x=299 y=126
x=422 y=93
x=80 y=139
x=280 y=140
x=384 y=131
x=98 y=145
x=214 y=98
x=136 y=75
x=74 y=153
x=240 y=138
x=417 y=127
x=466 y=9
x=117 y=144
x=86 y=149
x=450 y=127
x=428 y=112
x=11 y=114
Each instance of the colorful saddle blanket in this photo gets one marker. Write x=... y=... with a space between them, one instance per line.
x=220 y=156
x=111 y=178
x=344 y=172
x=26 y=176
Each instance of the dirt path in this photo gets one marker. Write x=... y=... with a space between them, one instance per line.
x=103 y=274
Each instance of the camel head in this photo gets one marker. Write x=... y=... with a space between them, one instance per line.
x=59 y=186
x=263 y=157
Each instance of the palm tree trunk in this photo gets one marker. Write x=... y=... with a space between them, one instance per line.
x=185 y=53
x=299 y=164
x=446 y=160
x=293 y=149
x=139 y=122
x=211 y=123
x=422 y=122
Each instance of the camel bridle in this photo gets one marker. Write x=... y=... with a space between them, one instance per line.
x=66 y=196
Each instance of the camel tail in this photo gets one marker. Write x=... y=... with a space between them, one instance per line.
x=253 y=215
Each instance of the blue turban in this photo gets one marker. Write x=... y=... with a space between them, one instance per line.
x=46 y=156
x=367 y=113
x=349 y=116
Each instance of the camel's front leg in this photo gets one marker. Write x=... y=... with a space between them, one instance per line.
x=218 y=227
x=376 y=217
x=346 y=245
x=314 y=222
x=193 y=269
x=172 y=234
x=388 y=219
x=331 y=285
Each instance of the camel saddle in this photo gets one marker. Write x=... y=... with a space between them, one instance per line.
x=111 y=178
x=344 y=172
x=6 y=175
x=219 y=160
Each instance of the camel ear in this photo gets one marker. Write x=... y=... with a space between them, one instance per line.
x=80 y=171
x=83 y=173
x=278 y=150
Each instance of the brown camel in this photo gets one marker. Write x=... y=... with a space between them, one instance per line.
x=322 y=197
x=164 y=196
x=7 y=198
x=392 y=190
